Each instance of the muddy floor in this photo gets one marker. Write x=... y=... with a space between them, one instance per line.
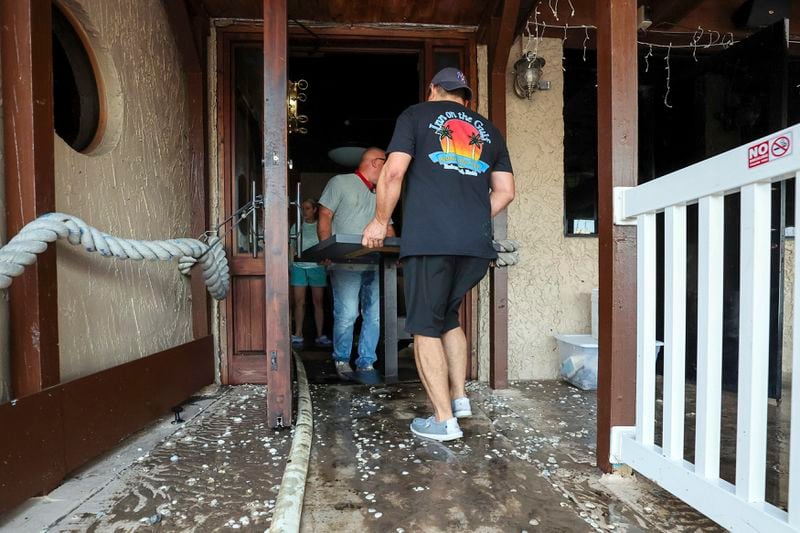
x=526 y=463
x=221 y=471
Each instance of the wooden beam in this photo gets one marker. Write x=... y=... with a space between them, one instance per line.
x=193 y=58
x=181 y=25
x=57 y=430
x=276 y=247
x=617 y=147
x=673 y=11
x=26 y=44
x=484 y=26
x=501 y=39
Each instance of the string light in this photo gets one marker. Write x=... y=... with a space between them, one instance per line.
x=666 y=60
x=585 y=40
x=700 y=37
x=552 y=8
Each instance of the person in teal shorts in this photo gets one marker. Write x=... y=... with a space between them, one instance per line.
x=304 y=274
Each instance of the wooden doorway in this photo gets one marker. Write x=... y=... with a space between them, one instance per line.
x=240 y=141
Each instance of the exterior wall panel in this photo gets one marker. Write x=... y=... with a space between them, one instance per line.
x=550 y=289
x=113 y=311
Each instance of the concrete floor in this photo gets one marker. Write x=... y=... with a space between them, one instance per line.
x=526 y=463
x=219 y=470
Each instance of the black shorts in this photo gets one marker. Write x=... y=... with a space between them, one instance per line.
x=434 y=288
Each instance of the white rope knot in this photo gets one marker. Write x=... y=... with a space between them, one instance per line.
x=33 y=239
x=507 y=252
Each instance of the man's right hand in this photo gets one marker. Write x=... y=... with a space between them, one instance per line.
x=374 y=234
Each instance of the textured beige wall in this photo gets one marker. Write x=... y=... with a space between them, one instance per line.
x=549 y=291
x=114 y=311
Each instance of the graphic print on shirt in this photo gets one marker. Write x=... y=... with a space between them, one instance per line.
x=462 y=143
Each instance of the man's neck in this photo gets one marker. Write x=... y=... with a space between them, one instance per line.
x=447 y=98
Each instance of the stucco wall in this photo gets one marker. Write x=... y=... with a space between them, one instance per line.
x=114 y=311
x=549 y=291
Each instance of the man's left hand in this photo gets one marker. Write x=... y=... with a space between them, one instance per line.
x=374 y=234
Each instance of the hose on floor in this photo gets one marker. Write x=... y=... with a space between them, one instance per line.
x=33 y=239
x=289 y=504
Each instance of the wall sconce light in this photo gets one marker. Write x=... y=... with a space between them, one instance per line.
x=528 y=74
x=295 y=95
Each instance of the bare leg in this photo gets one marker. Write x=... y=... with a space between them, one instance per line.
x=432 y=366
x=317 y=295
x=455 y=349
x=299 y=309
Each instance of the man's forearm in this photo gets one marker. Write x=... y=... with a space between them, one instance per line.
x=388 y=192
x=499 y=201
x=323 y=228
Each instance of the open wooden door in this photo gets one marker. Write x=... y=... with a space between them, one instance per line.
x=253 y=165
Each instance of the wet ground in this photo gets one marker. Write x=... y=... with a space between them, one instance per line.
x=220 y=470
x=526 y=463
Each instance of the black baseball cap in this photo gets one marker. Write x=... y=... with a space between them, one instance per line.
x=451 y=79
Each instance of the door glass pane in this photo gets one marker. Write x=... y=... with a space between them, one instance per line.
x=248 y=90
x=443 y=58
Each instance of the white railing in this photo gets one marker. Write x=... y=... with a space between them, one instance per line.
x=748 y=170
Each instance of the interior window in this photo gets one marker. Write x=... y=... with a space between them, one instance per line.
x=580 y=143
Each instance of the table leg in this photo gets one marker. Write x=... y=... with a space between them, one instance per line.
x=389 y=269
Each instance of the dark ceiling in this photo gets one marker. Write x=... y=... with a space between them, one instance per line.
x=443 y=12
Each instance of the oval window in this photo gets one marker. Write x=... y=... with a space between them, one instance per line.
x=76 y=98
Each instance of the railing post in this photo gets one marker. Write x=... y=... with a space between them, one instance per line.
x=646 y=329
x=751 y=422
x=674 y=330
x=711 y=219
x=794 y=438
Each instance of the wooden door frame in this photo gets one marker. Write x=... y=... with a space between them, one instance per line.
x=342 y=39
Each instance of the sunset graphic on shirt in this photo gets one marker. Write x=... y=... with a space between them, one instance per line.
x=462 y=145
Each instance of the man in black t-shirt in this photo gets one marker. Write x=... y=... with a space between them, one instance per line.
x=458 y=176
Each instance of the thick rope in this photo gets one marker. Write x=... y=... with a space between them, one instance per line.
x=33 y=239
x=507 y=252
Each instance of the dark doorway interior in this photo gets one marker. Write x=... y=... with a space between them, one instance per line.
x=352 y=99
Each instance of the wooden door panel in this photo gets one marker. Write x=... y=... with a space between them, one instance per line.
x=248 y=315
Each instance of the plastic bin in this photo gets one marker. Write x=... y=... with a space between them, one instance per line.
x=578 y=360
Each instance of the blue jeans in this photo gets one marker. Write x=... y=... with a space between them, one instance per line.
x=349 y=290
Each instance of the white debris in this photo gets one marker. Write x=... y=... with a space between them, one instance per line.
x=174 y=458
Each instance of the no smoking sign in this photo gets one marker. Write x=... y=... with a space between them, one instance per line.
x=769 y=150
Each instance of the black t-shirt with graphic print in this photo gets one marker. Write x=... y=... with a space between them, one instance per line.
x=446 y=209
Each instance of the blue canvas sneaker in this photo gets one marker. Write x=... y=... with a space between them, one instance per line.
x=429 y=428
